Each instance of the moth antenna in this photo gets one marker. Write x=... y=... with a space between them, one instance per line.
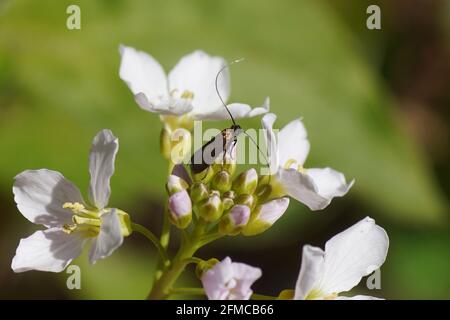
x=217 y=88
x=259 y=150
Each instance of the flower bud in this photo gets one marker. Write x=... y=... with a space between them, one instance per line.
x=263 y=192
x=230 y=194
x=246 y=199
x=180 y=145
x=205 y=176
x=228 y=199
x=265 y=215
x=246 y=182
x=175 y=184
x=211 y=209
x=199 y=192
x=165 y=143
x=180 y=209
x=222 y=181
x=227 y=203
x=235 y=220
x=227 y=164
x=287 y=294
x=204 y=266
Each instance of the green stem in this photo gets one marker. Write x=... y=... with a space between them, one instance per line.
x=193 y=291
x=165 y=234
x=210 y=238
x=162 y=286
x=193 y=260
x=150 y=236
x=164 y=239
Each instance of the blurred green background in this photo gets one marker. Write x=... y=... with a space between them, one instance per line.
x=375 y=103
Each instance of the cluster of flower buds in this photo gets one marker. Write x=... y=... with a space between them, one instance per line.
x=238 y=204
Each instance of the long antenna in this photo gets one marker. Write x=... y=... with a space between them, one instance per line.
x=260 y=151
x=217 y=89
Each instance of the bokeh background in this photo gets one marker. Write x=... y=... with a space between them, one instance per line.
x=375 y=103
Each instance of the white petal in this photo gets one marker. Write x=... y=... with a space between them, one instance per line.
x=353 y=254
x=330 y=183
x=358 y=297
x=271 y=141
x=196 y=72
x=101 y=167
x=310 y=272
x=165 y=106
x=229 y=280
x=40 y=195
x=302 y=188
x=50 y=250
x=293 y=143
x=180 y=204
x=109 y=238
x=271 y=211
x=238 y=110
x=143 y=75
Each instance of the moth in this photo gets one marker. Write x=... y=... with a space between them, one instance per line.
x=222 y=144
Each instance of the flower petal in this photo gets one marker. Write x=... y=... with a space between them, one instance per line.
x=230 y=280
x=101 y=166
x=310 y=272
x=40 y=195
x=196 y=73
x=180 y=204
x=330 y=183
x=238 y=110
x=302 y=188
x=353 y=254
x=165 y=106
x=271 y=211
x=49 y=250
x=293 y=143
x=143 y=75
x=109 y=238
x=271 y=141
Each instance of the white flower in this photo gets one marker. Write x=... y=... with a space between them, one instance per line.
x=228 y=280
x=45 y=197
x=287 y=153
x=348 y=256
x=188 y=89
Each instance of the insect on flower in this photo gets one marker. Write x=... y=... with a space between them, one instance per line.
x=222 y=144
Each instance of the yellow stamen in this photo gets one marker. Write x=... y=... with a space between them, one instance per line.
x=289 y=163
x=76 y=207
x=187 y=95
x=67 y=228
x=87 y=221
x=300 y=168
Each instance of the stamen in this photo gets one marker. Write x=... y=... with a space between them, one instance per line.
x=87 y=221
x=76 y=207
x=187 y=95
x=300 y=169
x=289 y=163
x=67 y=228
